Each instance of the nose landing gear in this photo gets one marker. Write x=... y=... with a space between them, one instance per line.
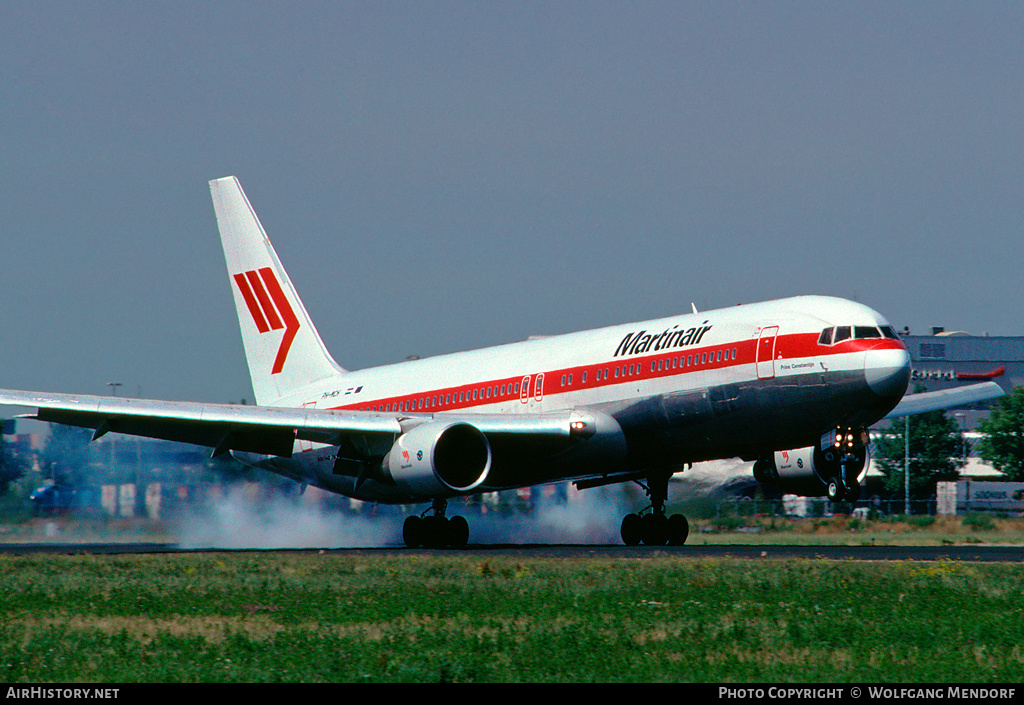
x=845 y=459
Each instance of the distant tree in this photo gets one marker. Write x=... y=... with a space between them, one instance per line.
x=936 y=447
x=67 y=454
x=11 y=467
x=1002 y=442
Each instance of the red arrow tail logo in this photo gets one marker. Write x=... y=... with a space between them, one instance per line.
x=269 y=308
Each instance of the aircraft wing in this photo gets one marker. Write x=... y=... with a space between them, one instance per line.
x=270 y=430
x=945 y=399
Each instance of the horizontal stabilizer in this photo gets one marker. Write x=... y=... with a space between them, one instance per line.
x=945 y=399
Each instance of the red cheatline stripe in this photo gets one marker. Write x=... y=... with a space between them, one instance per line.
x=290 y=321
x=261 y=296
x=250 y=301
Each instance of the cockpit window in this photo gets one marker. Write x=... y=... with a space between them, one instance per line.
x=831 y=336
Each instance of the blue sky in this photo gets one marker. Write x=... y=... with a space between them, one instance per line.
x=439 y=176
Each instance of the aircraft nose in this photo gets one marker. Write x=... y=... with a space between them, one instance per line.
x=887 y=371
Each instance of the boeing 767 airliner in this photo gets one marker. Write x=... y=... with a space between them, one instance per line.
x=790 y=385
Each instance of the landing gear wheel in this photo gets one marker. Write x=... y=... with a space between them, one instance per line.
x=655 y=529
x=836 y=492
x=631 y=530
x=412 y=532
x=458 y=532
x=435 y=532
x=853 y=492
x=678 y=530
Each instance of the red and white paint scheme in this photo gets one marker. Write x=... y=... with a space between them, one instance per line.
x=790 y=385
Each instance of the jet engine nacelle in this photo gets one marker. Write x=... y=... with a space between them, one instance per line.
x=440 y=459
x=808 y=471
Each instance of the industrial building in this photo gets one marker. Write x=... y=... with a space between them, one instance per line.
x=947 y=359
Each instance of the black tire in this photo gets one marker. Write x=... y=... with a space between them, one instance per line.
x=853 y=492
x=835 y=490
x=655 y=530
x=631 y=530
x=412 y=532
x=458 y=532
x=435 y=532
x=678 y=530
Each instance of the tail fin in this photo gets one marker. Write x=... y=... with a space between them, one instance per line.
x=282 y=347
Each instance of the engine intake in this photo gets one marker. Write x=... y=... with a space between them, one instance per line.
x=439 y=459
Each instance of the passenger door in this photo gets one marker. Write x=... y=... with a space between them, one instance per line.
x=765 y=358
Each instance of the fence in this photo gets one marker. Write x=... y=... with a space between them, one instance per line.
x=819 y=507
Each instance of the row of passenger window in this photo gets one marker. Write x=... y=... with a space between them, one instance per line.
x=505 y=390
x=511 y=389
x=837 y=334
x=660 y=365
x=672 y=363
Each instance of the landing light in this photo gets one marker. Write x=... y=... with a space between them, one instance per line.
x=581 y=429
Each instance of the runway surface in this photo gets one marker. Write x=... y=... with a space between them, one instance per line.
x=974 y=553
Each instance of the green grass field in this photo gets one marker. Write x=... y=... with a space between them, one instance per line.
x=252 y=617
x=847 y=531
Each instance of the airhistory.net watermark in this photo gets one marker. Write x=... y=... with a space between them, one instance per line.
x=46 y=693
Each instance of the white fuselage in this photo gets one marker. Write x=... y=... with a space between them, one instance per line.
x=729 y=382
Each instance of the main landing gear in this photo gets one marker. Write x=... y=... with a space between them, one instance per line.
x=435 y=530
x=651 y=526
